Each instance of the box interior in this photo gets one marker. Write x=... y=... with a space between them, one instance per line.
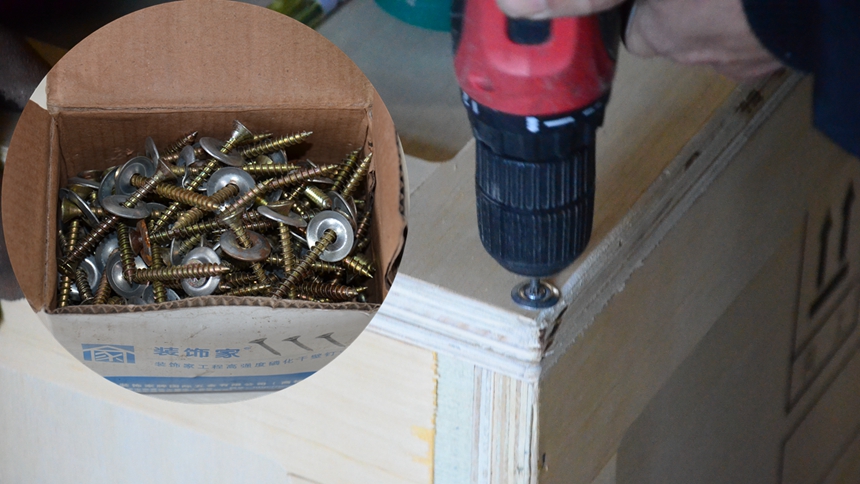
x=99 y=117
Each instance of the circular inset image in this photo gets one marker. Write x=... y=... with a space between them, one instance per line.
x=236 y=265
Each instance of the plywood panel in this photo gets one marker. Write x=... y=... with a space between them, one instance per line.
x=601 y=383
x=366 y=417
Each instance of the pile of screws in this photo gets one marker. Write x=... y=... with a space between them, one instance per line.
x=217 y=218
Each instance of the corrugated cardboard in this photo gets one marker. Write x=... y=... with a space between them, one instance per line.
x=160 y=72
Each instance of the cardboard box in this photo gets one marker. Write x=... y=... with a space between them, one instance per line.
x=160 y=72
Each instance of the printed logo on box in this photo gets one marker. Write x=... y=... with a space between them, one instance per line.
x=108 y=353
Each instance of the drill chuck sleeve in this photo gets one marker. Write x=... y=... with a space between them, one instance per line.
x=534 y=185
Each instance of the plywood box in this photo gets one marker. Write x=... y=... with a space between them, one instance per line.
x=680 y=351
x=152 y=74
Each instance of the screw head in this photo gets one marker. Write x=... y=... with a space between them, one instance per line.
x=289 y=219
x=331 y=220
x=114 y=205
x=139 y=165
x=259 y=250
x=122 y=287
x=535 y=294
x=227 y=176
x=201 y=286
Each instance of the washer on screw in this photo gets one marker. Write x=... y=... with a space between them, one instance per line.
x=201 y=286
x=329 y=219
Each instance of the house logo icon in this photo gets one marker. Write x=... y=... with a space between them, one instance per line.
x=108 y=353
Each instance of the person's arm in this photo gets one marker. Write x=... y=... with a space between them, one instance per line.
x=822 y=38
x=745 y=39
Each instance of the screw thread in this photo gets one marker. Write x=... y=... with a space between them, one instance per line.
x=146 y=189
x=70 y=263
x=254 y=139
x=270 y=170
x=72 y=237
x=195 y=214
x=84 y=288
x=252 y=290
x=126 y=252
x=303 y=267
x=189 y=244
x=260 y=273
x=187 y=271
x=296 y=192
x=195 y=182
x=270 y=146
x=357 y=176
x=178 y=194
x=362 y=232
x=335 y=292
x=355 y=266
x=103 y=290
x=364 y=261
x=289 y=259
x=234 y=223
x=185 y=232
x=252 y=216
x=116 y=300
x=159 y=292
x=67 y=243
x=260 y=225
x=345 y=170
x=299 y=176
x=172 y=157
x=238 y=279
x=185 y=140
x=65 y=291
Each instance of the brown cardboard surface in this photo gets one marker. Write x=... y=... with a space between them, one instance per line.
x=25 y=224
x=185 y=66
x=389 y=243
x=205 y=54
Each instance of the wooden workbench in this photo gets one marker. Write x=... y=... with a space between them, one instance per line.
x=686 y=347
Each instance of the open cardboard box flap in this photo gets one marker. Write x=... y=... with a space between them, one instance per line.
x=193 y=63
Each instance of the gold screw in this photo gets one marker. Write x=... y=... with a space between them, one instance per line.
x=357 y=176
x=270 y=146
x=345 y=170
x=301 y=270
x=103 y=291
x=188 y=271
x=177 y=194
x=66 y=281
x=185 y=140
x=252 y=290
x=83 y=287
x=335 y=292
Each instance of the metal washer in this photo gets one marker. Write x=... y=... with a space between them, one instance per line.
x=546 y=296
x=193 y=286
x=342 y=245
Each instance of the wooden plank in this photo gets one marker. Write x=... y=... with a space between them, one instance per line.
x=366 y=417
x=599 y=385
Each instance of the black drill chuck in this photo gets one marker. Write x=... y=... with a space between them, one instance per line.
x=534 y=185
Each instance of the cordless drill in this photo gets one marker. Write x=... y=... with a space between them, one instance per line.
x=535 y=92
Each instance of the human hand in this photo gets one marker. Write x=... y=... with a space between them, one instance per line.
x=711 y=32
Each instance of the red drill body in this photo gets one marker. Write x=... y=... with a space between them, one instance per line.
x=535 y=93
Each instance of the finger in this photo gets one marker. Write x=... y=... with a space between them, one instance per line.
x=639 y=37
x=543 y=9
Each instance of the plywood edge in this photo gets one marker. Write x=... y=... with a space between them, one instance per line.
x=437 y=319
x=607 y=267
